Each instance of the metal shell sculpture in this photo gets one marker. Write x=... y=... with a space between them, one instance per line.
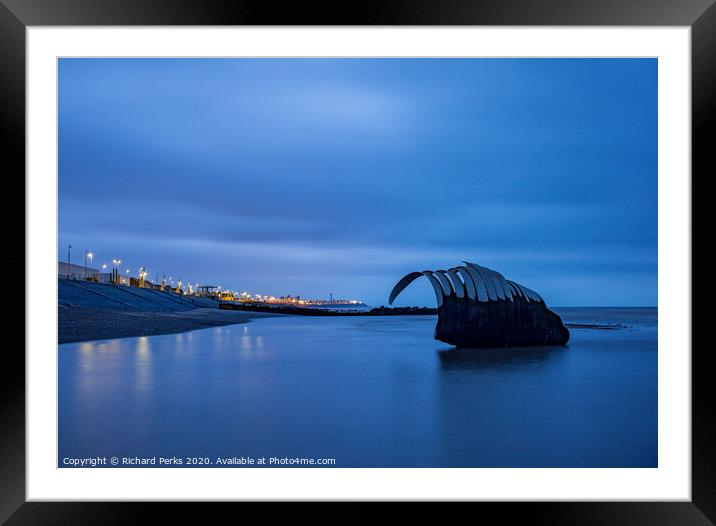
x=478 y=307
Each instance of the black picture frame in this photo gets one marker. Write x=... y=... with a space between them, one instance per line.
x=16 y=15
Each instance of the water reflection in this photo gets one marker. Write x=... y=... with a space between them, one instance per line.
x=143 y=365
x=495 y=358
x=375 y=392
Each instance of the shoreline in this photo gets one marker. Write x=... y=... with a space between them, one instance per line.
x=307 y=311
x=81 y=324
x=89 y=311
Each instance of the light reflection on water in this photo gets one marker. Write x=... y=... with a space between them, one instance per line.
x=366 y=391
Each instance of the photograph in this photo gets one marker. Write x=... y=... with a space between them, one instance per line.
x=357 y=262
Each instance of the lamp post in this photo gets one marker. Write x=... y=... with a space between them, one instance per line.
x=69 y=261
x=88 y=254
x=115 y=272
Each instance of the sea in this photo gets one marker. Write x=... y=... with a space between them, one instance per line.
x=374 y=391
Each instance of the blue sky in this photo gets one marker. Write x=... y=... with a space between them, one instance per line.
x=310 y=176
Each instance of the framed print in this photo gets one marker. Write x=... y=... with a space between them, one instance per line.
x=434 y=254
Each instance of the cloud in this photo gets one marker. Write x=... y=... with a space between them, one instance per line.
x=312 y=173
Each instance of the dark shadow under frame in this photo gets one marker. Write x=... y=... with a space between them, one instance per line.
x=15 y=15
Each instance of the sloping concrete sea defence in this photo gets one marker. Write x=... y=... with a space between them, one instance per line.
x=97 y=311
x=120 y=297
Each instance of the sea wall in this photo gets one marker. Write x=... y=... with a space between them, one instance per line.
x=93 y=295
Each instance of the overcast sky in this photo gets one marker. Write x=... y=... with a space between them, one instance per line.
x=310 y=176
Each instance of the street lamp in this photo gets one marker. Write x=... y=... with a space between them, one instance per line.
x=88 y=254
x=69 y=261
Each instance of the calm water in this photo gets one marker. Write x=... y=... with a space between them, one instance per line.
x=368 y=392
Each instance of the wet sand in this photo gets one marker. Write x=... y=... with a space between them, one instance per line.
x=79 y=324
